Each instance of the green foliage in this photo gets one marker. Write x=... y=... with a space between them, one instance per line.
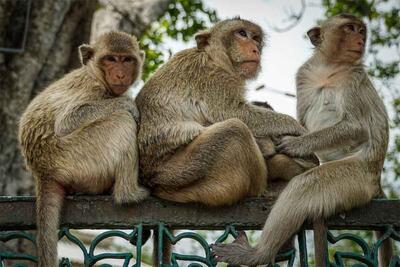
x=180 y=22
x=384 y=24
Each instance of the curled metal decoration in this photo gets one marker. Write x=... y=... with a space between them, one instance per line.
x=208 y=260
x=369 y=255
x=7 y=236
x=134 y=237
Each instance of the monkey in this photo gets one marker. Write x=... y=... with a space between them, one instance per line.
x=79 y=134
x=197 y=132
x=348 y=130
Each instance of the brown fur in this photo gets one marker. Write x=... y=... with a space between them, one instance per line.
x=197 y=131
x=348 y=131
x=195 y=120
x=77 y=136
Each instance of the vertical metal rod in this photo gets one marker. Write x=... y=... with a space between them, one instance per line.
x=302 y=240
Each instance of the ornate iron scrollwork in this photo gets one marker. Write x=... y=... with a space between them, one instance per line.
x=367 y=256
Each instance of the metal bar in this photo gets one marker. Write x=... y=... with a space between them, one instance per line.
x=302 y=240
x=100 y=212
x=24 y=37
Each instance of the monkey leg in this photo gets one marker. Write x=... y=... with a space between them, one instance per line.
x=283 y=167
x=225 y=161
x=102 y=153
x=267 y=146
x=320 y=192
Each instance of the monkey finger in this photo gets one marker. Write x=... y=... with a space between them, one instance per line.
x=241 y=238
x=281 y=148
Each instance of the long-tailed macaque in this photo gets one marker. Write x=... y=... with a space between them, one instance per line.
x=197 y=132
x=79 y=135
x=348 y=127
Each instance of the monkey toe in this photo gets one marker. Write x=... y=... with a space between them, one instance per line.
x=234 y=253
x=138 y=195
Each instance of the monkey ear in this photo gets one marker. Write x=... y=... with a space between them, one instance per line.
x=85 y=53
x=315 y=35
x=142 y=55
x=202 y=39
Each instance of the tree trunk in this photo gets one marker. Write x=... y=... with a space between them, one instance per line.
x=130 y=16
x=55 y=29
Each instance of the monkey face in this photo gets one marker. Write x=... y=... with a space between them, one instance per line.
x=354 y=36
x=342 y=38
x=239 y=42
x=120 y=71
x=115 y=59
x=245 y=52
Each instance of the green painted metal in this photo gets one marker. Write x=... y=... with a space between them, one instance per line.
x=90 y=258
x=367 y=256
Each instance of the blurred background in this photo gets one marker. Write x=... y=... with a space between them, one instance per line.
x=39 y=40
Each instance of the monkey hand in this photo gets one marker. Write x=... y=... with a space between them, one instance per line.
x=293 y=146
x=129 y=105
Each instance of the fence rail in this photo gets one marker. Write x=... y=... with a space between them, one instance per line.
x=99 y=212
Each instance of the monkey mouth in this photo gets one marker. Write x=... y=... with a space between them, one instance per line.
x=119 y=89
x=359 y=52
x=120 y=86
x=251 y=61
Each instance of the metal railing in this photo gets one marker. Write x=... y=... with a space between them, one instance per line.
x=17 y=214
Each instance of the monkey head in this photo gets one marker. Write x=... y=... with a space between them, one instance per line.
x=116 y=60
x=235 y=44
x=341 y=38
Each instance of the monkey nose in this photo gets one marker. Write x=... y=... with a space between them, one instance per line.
x=256 y=51
x=120 y=76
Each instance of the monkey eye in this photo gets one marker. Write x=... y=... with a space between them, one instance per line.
x=257 y=38
x=362 y=31
x=349 y=28
x=128 y=60
x=242 y=32
x=110 y=58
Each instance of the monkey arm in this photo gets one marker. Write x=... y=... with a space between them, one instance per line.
x=301 y=112
x=264 y=122
x=332 y=136
x=89 y=112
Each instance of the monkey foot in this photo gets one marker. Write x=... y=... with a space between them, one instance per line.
x=132 y=197
x=237 y=253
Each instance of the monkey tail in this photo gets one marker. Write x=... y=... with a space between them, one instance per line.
x=166 y=253
x=49 y=200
